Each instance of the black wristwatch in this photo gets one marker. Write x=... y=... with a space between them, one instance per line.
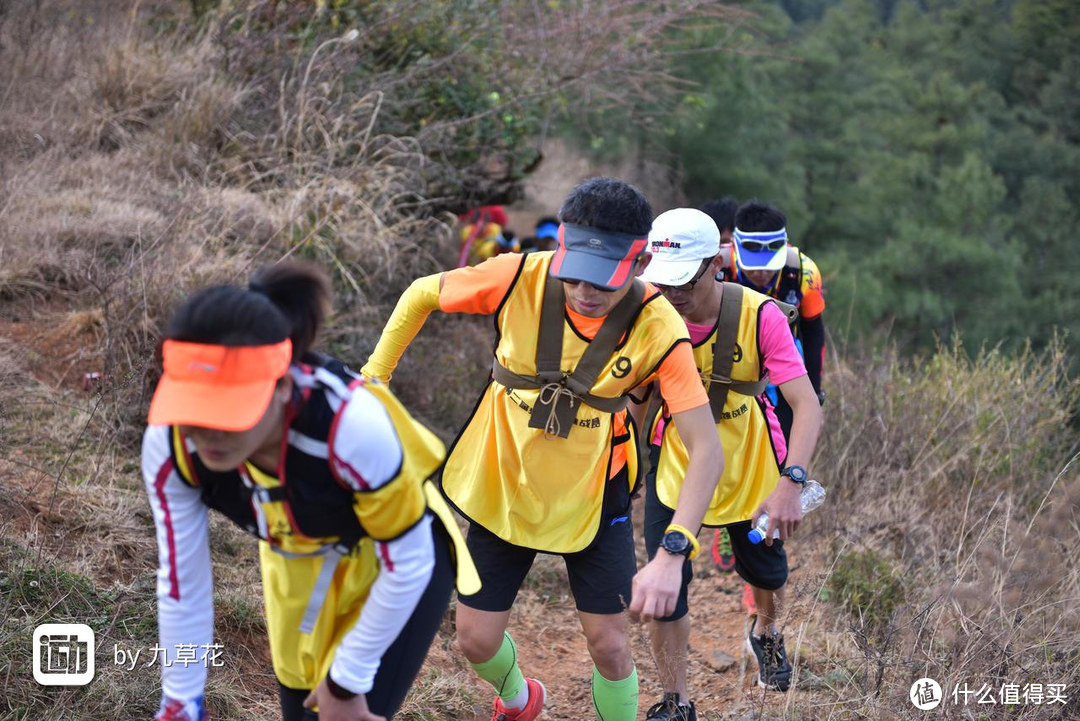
x=677 y=543
x=796 y=474
x=339 y=692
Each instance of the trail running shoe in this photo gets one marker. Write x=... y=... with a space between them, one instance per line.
x=532 y=709
x=669 y=710
x=173 y=710
x=774 y=669
x=722 y=554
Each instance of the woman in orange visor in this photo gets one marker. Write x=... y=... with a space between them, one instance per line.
x=328 y=471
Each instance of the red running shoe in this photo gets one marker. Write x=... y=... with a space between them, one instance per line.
x=532 y=709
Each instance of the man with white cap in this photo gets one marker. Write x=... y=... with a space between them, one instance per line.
x=740 y=340
x=547 y=462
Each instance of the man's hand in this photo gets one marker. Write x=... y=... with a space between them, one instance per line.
x=784 y=509
x=335 y=709
x=656 y=587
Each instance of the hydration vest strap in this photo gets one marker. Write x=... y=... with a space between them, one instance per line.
x=550 y=335
x=513 y=380
x=601 y=347
x=790 y=280
x=181 y=460
x=727 y=329
x=560 y=393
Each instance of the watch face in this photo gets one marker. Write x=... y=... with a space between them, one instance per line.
x=796 y=473
x=675 y=542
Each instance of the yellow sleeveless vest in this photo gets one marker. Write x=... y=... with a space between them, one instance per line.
x=751 y=469
x=315 y=589
x=542 y=492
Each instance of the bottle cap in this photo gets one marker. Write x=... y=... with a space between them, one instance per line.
x=755 y=536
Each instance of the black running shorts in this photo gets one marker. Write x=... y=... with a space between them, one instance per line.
x=759 y=565
x=600 y=576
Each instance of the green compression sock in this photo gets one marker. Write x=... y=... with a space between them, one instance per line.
x=502 y=672
x=615 y=700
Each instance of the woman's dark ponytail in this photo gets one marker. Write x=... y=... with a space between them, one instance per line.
x=288 y=300
x=301 y=292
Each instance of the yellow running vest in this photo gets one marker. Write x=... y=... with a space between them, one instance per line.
x=541 y=492
x=314 y=589
x=751 y=469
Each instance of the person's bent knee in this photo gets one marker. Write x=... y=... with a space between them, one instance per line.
x=478 y=643
x=611 y=653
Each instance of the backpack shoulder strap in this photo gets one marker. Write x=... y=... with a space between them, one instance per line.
x=727 y=330
x=550 y=334
x=601 y=347
x=556 y=408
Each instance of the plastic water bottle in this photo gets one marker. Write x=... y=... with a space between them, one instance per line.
x=812 y=496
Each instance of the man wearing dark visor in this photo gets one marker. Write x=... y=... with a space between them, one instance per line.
x=548 y=462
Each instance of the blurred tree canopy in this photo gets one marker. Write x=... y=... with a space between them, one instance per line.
x=925 y=152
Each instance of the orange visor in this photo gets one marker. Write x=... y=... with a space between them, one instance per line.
x=214 y=386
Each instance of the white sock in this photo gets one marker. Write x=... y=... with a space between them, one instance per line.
x=518 y=702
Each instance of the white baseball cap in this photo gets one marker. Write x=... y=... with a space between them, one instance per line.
x=679 y=240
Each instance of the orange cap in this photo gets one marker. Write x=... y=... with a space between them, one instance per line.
x=214 y=386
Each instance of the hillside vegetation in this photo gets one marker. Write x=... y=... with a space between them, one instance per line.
x=926 y=153
x=145 y=152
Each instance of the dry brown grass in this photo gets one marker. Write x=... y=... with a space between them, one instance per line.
x=943 y=548
x=124 y=185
